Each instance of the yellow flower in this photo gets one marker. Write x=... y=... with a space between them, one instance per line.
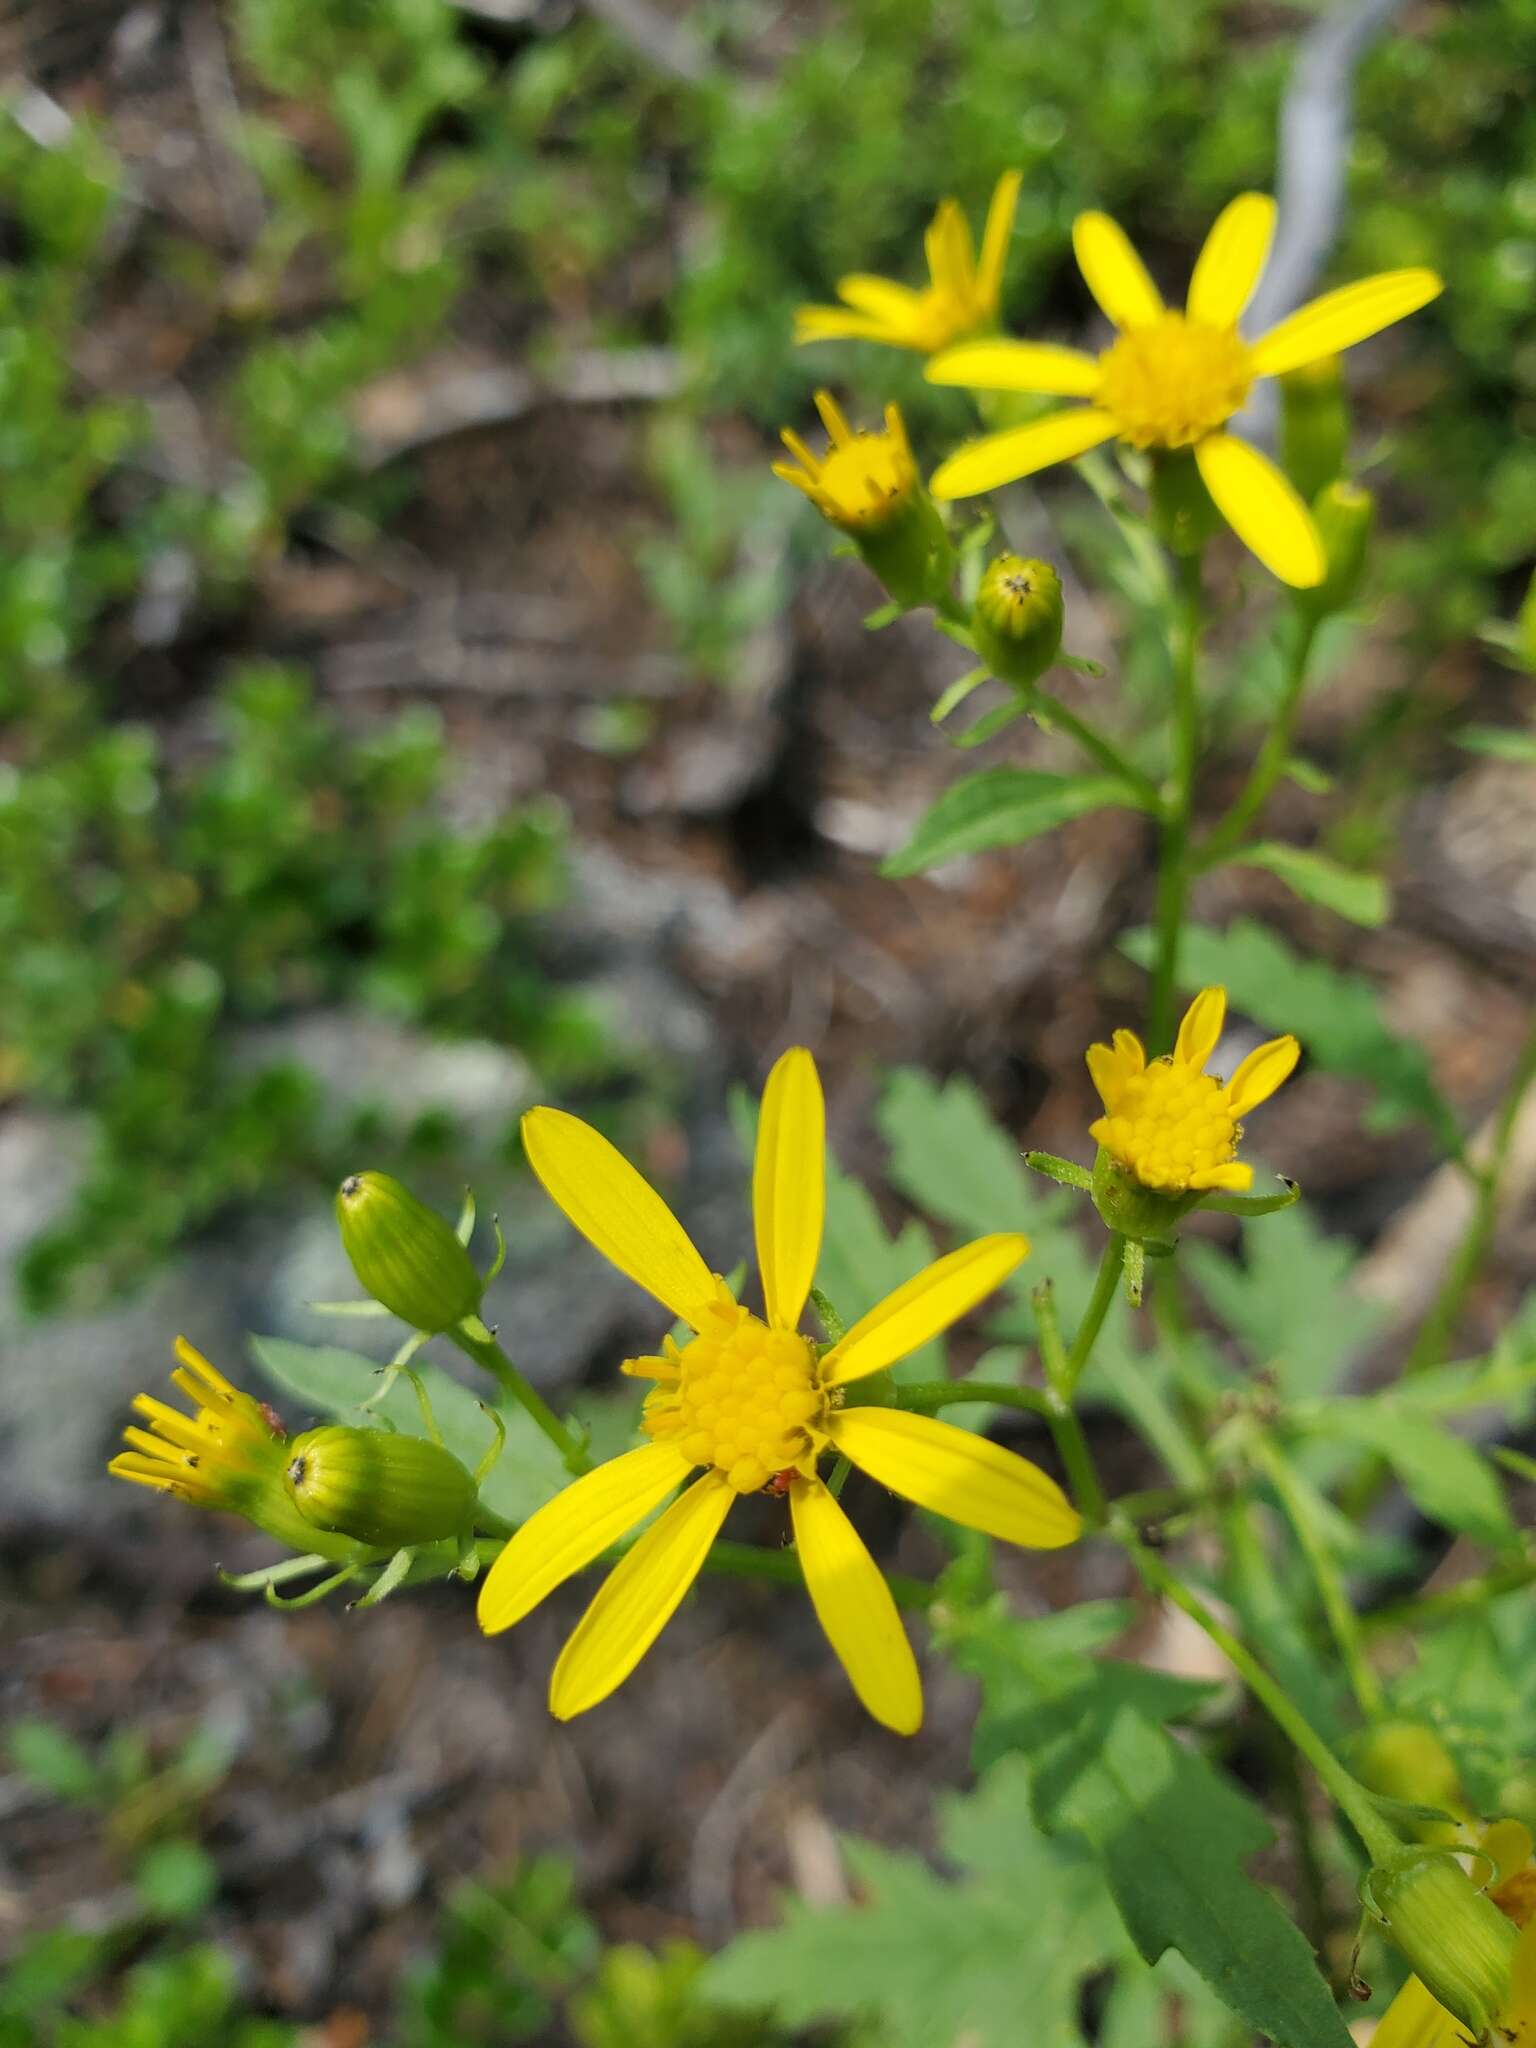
x=748 y=1401
x=961 y=299
x=1417 y=2019
x=208 y=1458
x=1173 y=380
x=1174 y=1126
x=863 y=480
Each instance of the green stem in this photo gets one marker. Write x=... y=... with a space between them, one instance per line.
x=1094 y=744
x=927 y=1395
x=490 y=1357
x=1460 y=1599
x=753 y=1561
x=1173 y=870
x=1066 y=1430
x=1438 y=1327
x=1110 y=1266
x=1351 y=1798
x=1342 y=1618
x=1269 y=766
x=489 y=1523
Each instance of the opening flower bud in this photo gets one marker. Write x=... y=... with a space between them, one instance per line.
x=1018 y=617
x=1344 y=515
x=1314 y=425
x=382 y=1489
x=1460 y=1946
x=405 y=1255
x=867 y=485
x=1407 y=1761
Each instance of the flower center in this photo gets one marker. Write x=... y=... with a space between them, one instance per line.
x=1174 y=381
x=1171 y=1123
x=866 y=481
x=743 y=1398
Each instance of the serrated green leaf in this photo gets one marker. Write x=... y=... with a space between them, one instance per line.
x=1174 y=1837
x=932 y=1962
x=1446 y=1477
x=1363 y=899
x=1004 y=807
x=1288 y=1299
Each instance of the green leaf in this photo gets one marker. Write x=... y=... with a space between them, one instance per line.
x=176 y=1880
x=1174 y=1837
x=1288 y=1300
x=1004 y=807
x=55 y=1762
x=1308 y=776
x=335 y=1382
x=1504 y=742
x=1445 y=1477
x=1363 y=899
x=1336 y=1015
x=926 y=1960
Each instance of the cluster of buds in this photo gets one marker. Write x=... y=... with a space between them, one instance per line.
x=369 y=1501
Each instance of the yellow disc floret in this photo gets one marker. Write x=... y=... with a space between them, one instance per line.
x=739 y=1396
x=1172 y=1125
x=1175 y=380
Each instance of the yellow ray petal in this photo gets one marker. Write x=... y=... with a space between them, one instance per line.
x=1016 y=366
x=966 y=1477
x=1339 y=319
x=1113 y=272
x=929 y=1302
x=881 y=297
x=1131 y=1050
x=1416 y=2019
x=839 y=433
x=1235 y=1177
x=951 y=252
x=789 y=1185
x=831 y=323
x=617 y=1211
x=637 y=1599
x=1107 y=1070
x=995 y=237
x=1200 y=1031
x=1002 y=458
x=854 y=1606
x=1262 y=508
x=1265 y=1068
x=564 y=1536
x=1230 y=264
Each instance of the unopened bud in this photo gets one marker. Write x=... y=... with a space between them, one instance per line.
x=1344 y=515
x=1407 y=1761
x=1017 y=621
x=1314 y=425
x=405 y=1255
x=1456 y=1940
x=381 y=1488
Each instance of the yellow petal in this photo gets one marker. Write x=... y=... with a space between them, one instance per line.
x=1201 y=1029
x=1262 y=1073
x=637 y=1599
x=1106 y=1069
x=1113 y=272
x=1262 y=508
x=831 y=323
x=854 y=1606
x=880 y=297
x=1016 y=366
x=1228 y=267
x=573 y=1528
x=951 y=253
x=839 y=433
x=1509 y=1844
x=789 y=1185
x=929 y=1302
x=1131 y=1050
x=1416 y=2019
x=995 y=236
x=1002 y=458
x=1234 y=1177
x=968 y=1478
x=617 y=1211
x=1339 y=319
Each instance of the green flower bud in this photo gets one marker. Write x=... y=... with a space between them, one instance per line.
x=1457 y=1941
x=1017 y=621
x=1344 y=515
x=1133 y=1210
x=405 y=1255
x=382 y=1489
x=1314 y=425
x=1407 y=1761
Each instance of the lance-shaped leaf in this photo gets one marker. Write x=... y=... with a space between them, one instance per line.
x=1004 y=807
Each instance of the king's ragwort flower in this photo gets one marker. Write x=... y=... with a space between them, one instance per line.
x=961 y=298
x=1416 y=2018
x=748 y=1402
x=1174 y=1127
x=1172 y=380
